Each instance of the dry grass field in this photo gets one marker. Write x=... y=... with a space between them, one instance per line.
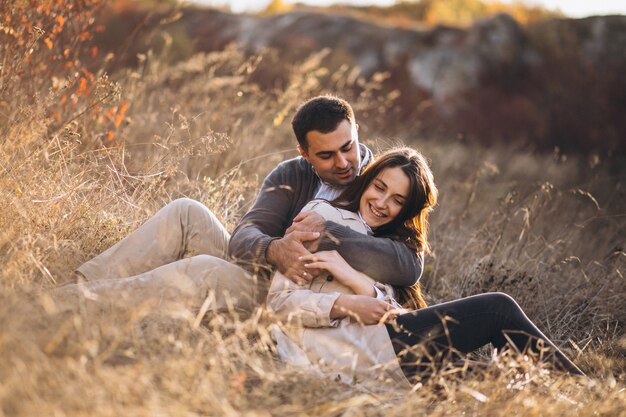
x=74 y=179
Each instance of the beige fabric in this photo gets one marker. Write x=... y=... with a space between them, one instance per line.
x=176 y=256
x=306 y=336
x=182 y=229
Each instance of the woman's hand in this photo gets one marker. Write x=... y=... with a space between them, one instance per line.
x=334 y=263
x=365 y=310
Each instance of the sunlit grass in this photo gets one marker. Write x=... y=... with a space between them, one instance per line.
x=547 y=231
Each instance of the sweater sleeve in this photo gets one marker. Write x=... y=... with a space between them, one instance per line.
x=383 y=259
x=265 y=221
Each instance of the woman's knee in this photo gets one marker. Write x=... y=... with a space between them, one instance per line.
x=503 y=302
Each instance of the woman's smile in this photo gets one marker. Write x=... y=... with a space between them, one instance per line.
x=376 y=212
x=384 y=197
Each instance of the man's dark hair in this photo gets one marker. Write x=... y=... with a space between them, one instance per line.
x=322 y=113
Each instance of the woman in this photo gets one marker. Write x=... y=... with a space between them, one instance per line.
x=340 y=319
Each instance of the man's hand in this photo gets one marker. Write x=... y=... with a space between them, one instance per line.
x=308 y=221
x=364 y=309
x=284 y=254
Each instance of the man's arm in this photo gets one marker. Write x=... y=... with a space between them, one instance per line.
x=264 y=222
x=258 y=240
x=383 y=259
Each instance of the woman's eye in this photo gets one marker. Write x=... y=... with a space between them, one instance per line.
x=378 y=187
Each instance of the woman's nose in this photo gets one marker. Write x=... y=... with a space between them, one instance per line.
x=380 y=202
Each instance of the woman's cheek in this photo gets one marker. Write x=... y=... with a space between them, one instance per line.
x=395 y=211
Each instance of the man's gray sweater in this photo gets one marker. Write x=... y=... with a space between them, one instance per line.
x=285 y=191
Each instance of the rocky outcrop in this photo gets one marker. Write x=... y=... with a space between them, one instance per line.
x=443 y=61
x=557 y=83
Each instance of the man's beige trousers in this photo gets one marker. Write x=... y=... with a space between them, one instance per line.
x=176 y=256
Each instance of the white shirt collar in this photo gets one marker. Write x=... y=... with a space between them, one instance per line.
x=369 y=229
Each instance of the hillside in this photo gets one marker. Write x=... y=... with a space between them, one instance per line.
x=554 y=83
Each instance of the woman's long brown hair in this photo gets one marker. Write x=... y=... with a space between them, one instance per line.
x=410 y=225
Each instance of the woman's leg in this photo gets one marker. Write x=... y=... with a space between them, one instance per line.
x=464 y=325
x=200 y=283
x=181 y=229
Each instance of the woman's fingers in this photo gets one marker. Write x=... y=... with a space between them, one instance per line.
x=309 y=258
x=304 y=236
x=315 y=257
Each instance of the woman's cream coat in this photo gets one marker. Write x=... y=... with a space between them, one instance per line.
x=306 y=336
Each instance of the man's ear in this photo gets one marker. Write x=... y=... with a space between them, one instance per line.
x=303 y=153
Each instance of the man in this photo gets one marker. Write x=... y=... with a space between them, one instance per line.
x=331 y=158
x=180 y=254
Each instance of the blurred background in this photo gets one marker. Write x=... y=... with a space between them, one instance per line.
x=543 y=75
x=570 y=8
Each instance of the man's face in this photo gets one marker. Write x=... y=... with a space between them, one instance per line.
x=334 y=155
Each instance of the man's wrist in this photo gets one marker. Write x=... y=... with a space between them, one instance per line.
x=270 y=251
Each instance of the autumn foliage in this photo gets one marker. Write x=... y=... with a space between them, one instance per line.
x=48 y=65
x=409 y=13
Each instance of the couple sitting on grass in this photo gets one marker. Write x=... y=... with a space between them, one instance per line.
x=342 y=235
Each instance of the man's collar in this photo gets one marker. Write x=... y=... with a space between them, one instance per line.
x=366 y=157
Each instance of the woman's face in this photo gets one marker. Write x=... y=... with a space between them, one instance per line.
x=384 y=197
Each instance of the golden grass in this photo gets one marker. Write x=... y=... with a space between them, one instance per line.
x=548 y=231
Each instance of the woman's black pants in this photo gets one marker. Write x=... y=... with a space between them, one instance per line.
x=424 y=338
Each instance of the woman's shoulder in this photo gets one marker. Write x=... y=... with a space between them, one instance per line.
x=330 y=212
x=323 y=208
